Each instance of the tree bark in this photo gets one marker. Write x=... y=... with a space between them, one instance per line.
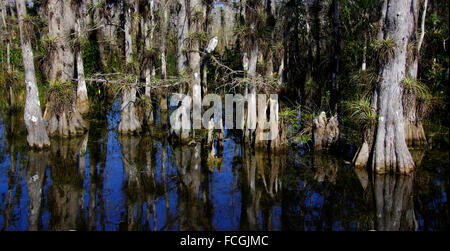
x=37 y=135
x=82 y=97
x=8 y=39
x=129 y=122
x=61 y=22
x=149 y=28
x=196 y=9
x=164 y=8
x=309 y=62
x=182 y=32
x=414 y=132
x=336 y=57
x=390 y=152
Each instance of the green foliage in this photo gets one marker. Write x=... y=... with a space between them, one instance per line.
x=91 y=56
x=417 y=87
x=362 y=82
x=384 y=49
x=362 y=112
x=61 y=96
x=114 y=63
x=300 y=120
x=195 y=37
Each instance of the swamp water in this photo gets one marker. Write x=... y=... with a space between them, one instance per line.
x=104 y=181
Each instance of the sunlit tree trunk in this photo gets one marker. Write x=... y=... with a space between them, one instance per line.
x=414 y=132
x=8 y=39
x=253 y=61
x=204 y=64
x=164 y=12
x=182 y=33
x=196 y=24
x=164 y=8
x=129 y=121
x=66 y=121
x=390 y=152
x=36 y=133
x=82 y=97
x=149 y=28
x=251 y=97
x=5 y=27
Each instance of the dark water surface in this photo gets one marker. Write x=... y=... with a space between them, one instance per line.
x=103 y=181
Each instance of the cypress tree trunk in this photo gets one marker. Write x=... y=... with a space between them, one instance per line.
x=149 y=27
x=414 y=132
x=336 y=57
x=253 y=47
x=251 y=97
x=37 y=135
x=196 y=23
x=129 y=121
x=8 y=39
x=164 y=13
x=390 y=152
x=164 y=9
x=182 y=32
x=82 y=97
x=64 y=119
x=309 y=43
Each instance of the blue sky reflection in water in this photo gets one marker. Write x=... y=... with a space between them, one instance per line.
x=146 y=183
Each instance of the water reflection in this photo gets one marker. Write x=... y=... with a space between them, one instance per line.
x=394 y=203
x=103 y=181
x=37 y=163
x=65 y=196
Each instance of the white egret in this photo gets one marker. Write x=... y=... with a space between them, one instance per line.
x=212 y=44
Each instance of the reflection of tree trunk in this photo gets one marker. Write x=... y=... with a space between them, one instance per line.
x=67 y=183
x=11 y=182
x=37 y=163
x=129 y=145
x=188 y=165
x=97 y=147
x=394 y=203
x=417 y=155
x=250 y=197
x=326 y=168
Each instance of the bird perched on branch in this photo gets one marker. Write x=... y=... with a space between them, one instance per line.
x=245 y=63
x=212 y=44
